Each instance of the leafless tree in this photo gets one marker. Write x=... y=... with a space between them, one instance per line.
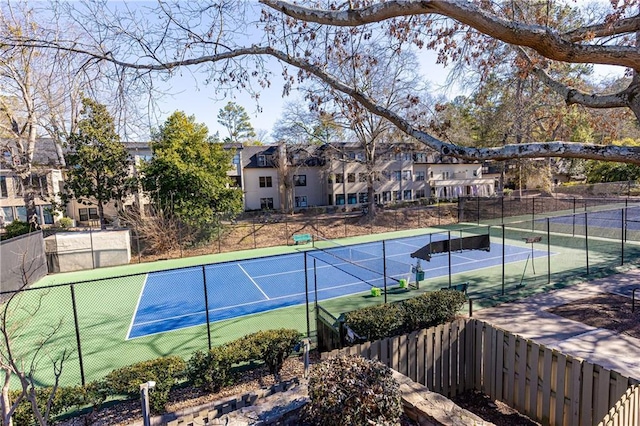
x=23 y=349
x=231 y=46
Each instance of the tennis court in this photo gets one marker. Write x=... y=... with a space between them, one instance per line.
x=173 y=300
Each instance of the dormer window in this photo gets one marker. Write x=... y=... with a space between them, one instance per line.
x=262 y=160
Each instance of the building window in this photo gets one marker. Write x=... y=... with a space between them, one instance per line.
x=445 y=175
x=339 y=199
x=330 y=203
x=363 y=197
x=407 y=194
x=397 y=156
x=17 y=186
x=301 y=201
x=236 y=181
x=431 y=174
x=386 y=196
x=406 y=156
x=420 y=193
x=236 y=159
x=397 y=196
x=419 y=176
x=351 y=177
x=330 y=180
x=475 y=173
x=262 y=160
x=90 y=213
x=406 y=175
x=300 y=180
x=3 y=187
x=265 y=182
x=351 y=155
x=352 y=198
x=8 y=215
x=362 y=177
x=420 y=157
x=397 y=175
x=266 y=203
x=360 y=156
x=339 y=178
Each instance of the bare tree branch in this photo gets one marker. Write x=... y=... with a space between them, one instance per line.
x=547 y=42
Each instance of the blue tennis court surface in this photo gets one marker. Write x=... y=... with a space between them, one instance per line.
x=171 y=300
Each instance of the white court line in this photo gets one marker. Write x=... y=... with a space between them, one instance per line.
x=135 y=311
x=228 y=307
x=254 y=283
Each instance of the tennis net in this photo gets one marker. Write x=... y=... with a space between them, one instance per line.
x=363 y=261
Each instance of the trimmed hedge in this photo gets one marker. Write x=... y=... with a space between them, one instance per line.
x=212 y=370
x=166 y=372
x=426 y=310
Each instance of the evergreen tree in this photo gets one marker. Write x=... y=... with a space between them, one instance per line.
x=187 y=175
x=98 y=164
x=236 y=120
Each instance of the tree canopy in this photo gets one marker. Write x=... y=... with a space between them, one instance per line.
x=187 y=174
x=99 y=164
x=231 y=45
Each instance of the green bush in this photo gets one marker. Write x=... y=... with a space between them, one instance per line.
x=351 y=390
x=273 y=347
x=164 y=371
x=64 y=399
x=212 y=370
x=426 y=310
x=431 y=309
x=16 y=228
x=65 y=222
x=375 y=322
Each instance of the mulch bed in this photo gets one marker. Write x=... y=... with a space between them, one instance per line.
x=609 y=311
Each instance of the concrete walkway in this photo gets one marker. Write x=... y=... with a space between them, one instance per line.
x=528 y=318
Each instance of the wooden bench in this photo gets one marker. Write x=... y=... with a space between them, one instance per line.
x=463 y=287
x=302 y=238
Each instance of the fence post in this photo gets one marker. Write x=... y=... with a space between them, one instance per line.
x=306 y=294
x=395 y=215
x=623 y=230
x=449 y=253
x=478 y=208
x=586 y=239
x=548 y=251
x=253 y=223
x=77 y=326
x=384 y=269
x=503 y=258
x=206 y=306
x=93 y=261
x=502 y=209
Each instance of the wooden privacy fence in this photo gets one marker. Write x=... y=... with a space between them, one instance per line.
x=550 y=387
x=626 y=411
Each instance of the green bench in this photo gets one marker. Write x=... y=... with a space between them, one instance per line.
x=463 y=287
x=302 y=238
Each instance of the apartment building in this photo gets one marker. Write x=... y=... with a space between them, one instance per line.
x=46 y=177
x=277 y=177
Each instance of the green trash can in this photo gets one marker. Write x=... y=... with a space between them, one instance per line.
x=419 y=275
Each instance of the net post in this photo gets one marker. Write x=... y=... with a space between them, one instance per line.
x=77 y=327
x=449 y=252
x=206 y=306
x=384 y=268
x=306 y=294
x=548 y=251
x=586 y=239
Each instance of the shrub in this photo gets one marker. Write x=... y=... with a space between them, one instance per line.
x=16 y=228
x=212 y=370
x=431 y=309
x=65 y=222
x=351 y=390
x=164 y=371
x=375 y=322
x=274 y=347
x=64 y=399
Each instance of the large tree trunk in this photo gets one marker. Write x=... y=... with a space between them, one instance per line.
x=103 y=223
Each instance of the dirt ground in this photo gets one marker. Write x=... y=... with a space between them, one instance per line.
x=609 y=311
